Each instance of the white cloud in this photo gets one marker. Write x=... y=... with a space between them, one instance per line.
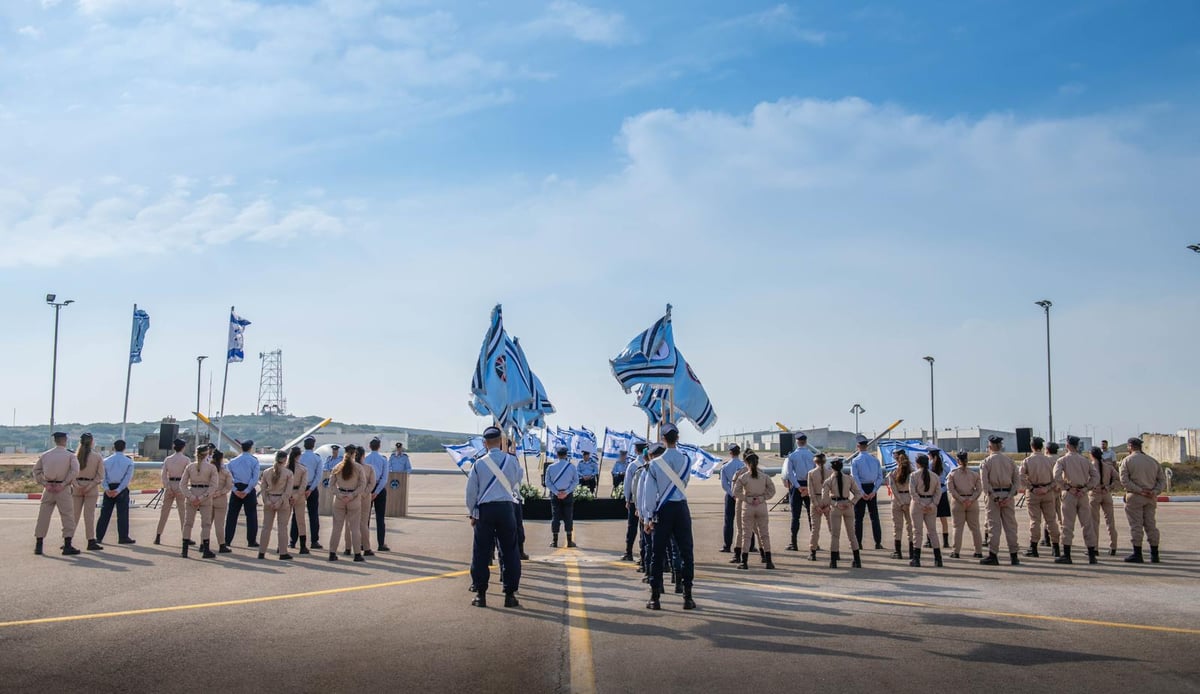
x=30 y=32
x=581 y=22
x=781 y=19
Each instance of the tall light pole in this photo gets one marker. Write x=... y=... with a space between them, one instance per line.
x=51 y=299
x=857 y=410
x=199 y=366
x=1046 y=304
x=932 y=421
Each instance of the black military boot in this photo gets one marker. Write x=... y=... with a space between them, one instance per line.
x=358 y=557
x=480 y=599
x=737 y=556
x=653 y=603
x=833 y=559
x=1013 y=559
x=333 y=556
x=184 y=552
x=937 y=557
x=945 y=540
x=224 y=549
x=753 y=546
x=679 y=583
x=510 y=600
x=262 y=555
x=628 y=556
x=770 y=564
x=745 y=565
x=1136 y=557
x=1045 y=538
x=812 y=555
x=554 y=541
x=991 y=560
x=206 y=551
x=1093 y=555
x=793 y=547
x=304 y=546
x=916 y=559
x=897 y=554
x=69 y=549
x=37 y=547
x=762 y=555
x=158 y=539
x=571 y=540
x=94 y=546
x=910 y=550
x=857 y=563
x=1032 y=551
x=1066 y=556
x=927 y=545
x=1057 y=551
x=688 y=602
x=1154 y=555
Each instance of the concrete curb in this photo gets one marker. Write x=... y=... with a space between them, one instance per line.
x=37 y=496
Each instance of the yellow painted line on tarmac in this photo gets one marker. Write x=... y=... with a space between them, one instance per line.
x=583 y=669
x=230 y=603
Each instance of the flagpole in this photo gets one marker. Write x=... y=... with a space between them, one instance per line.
x=128 y=378
x=224 y=387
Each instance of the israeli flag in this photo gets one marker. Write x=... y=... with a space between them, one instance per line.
x=237 y=338
x=615 y=443
x=530 y=445
x=464 y=453
x=888 y=447
x=702 y=463
x=648 y=358
x=141 y=325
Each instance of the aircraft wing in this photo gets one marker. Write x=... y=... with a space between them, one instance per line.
x=296 y=441
x=234 y=444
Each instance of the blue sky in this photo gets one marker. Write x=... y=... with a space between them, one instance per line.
x=825 y=191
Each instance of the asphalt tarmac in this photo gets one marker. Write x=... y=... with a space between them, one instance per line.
x=140 y=618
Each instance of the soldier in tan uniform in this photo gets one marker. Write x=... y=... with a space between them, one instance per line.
x=172 y=474
x=299 y=498
x=926 y=493
x=999 y=477
x=964 y=487
x=367 y=507
x=899 y=480
x=754 y=489
x=220 y=499
x=1076 y=475
x=841 y=492
x=346 y=483
x=275 y=490
x=820 y=506
x=86 y=490
x=1041 y=499
x=1100 y=499
x=56 y=470
x=199 y=482
x=1144 y=480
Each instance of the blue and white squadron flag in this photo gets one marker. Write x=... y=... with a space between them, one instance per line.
x=649 y=358
x=141 y=325
x=499 y=383
x=237 y=338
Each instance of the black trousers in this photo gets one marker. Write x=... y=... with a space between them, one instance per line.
x=380 y=506
x=590 y=484
x=674 y=524
x=121 y=503
x=520 y=509
x=730 y=511
x=861 y=508
x=313 y=506
x=496 y=525
x=250 y=504
x=798 y=503
x=618 y=479
x=631 y=528
x=562 y=511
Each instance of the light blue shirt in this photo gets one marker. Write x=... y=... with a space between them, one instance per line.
x=589 y=468
x=620 y=466
x=118 y=469
x=633 y=478
x=379 y=464
x=731 y=467
x=312 y=462
x=659 y=488
x=866 y=469
x=644 y=504
x=245 y=470
x=333 y=461
x=561 y=476
x=797 y=466
x=399 y=463
x=482 y=486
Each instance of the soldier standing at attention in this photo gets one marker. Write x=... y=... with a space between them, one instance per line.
x=118 y=473
x=820 y=505
x=364 y=516
x=312 y=495
x=490 y=488
x=172 y=495
x=220 y=498
x=728 y=471
x=1076 y=475
x=1143 y=480
x=754 y=489
x=842 y=492
x=1101 y=497
x=619 y=468
x=666 y=491
x=938 y=466
x=56 y=470
x=276 y=495
x=245 y=472
x=199 y=482
x=380 y=465
x=297 y=500
x=632 y=474
x=346 y=482
x=1037 y=475
x=795 y=479
x=868 y=473
x=561 y=480
x=926 y=493
x=86 y=490
x=588 y=471
x=899 y=480
x=1000 y=477
x=964 y=487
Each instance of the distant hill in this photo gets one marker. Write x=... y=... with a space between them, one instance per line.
x=269 y=431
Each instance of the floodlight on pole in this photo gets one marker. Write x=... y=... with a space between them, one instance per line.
x=932 y=421
x=1046 y=304
x=51 y=300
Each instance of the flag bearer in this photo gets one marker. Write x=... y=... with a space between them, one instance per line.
x=56 y=470
x=666 y=492
x=632 y=476
x=86 y=490
x=561 y=480
x=312 y=495
x=172 y=495
x=795 y=478
x=245 y=472
x=199 y=483
x=1144 y=480
x=999 y=476
x=1037 y=476
x=728 y=471
x=490 y=488
x=588 y=471
x=1076 y=476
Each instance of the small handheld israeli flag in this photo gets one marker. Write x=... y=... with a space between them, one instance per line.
x=237 y=337
x=141 y=324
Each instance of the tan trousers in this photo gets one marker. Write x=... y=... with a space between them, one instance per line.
x=345 y=513
x=901 y=517
x=364 y=527
x=1077 y=508
x=819 y=513
x=754 y=522
x=85 y=508
x=206 y=518
x=1102 y=501
x=220 y=506
x=300 y=513
x=1002 y=518
x=739 y=526
x=171 y=496
x=926 y=523
x=839 y=517
x=1043 y=508
x=968 y=517
x=1142 y=513
x=66 y=513
x=280 y=517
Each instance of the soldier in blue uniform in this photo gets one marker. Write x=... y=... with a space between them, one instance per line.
x=589 y=471
x=630 y=481
x=795 y=477
x=245 y=471
x=491 y=485
x=561 y=480
x=666 y=492
x=731 y=468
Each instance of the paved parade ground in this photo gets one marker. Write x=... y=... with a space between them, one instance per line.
x=139 y=618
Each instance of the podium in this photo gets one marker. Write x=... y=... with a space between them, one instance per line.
x=325 y=505
x=397 y=495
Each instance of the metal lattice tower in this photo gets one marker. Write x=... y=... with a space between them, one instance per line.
x=270 y=384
